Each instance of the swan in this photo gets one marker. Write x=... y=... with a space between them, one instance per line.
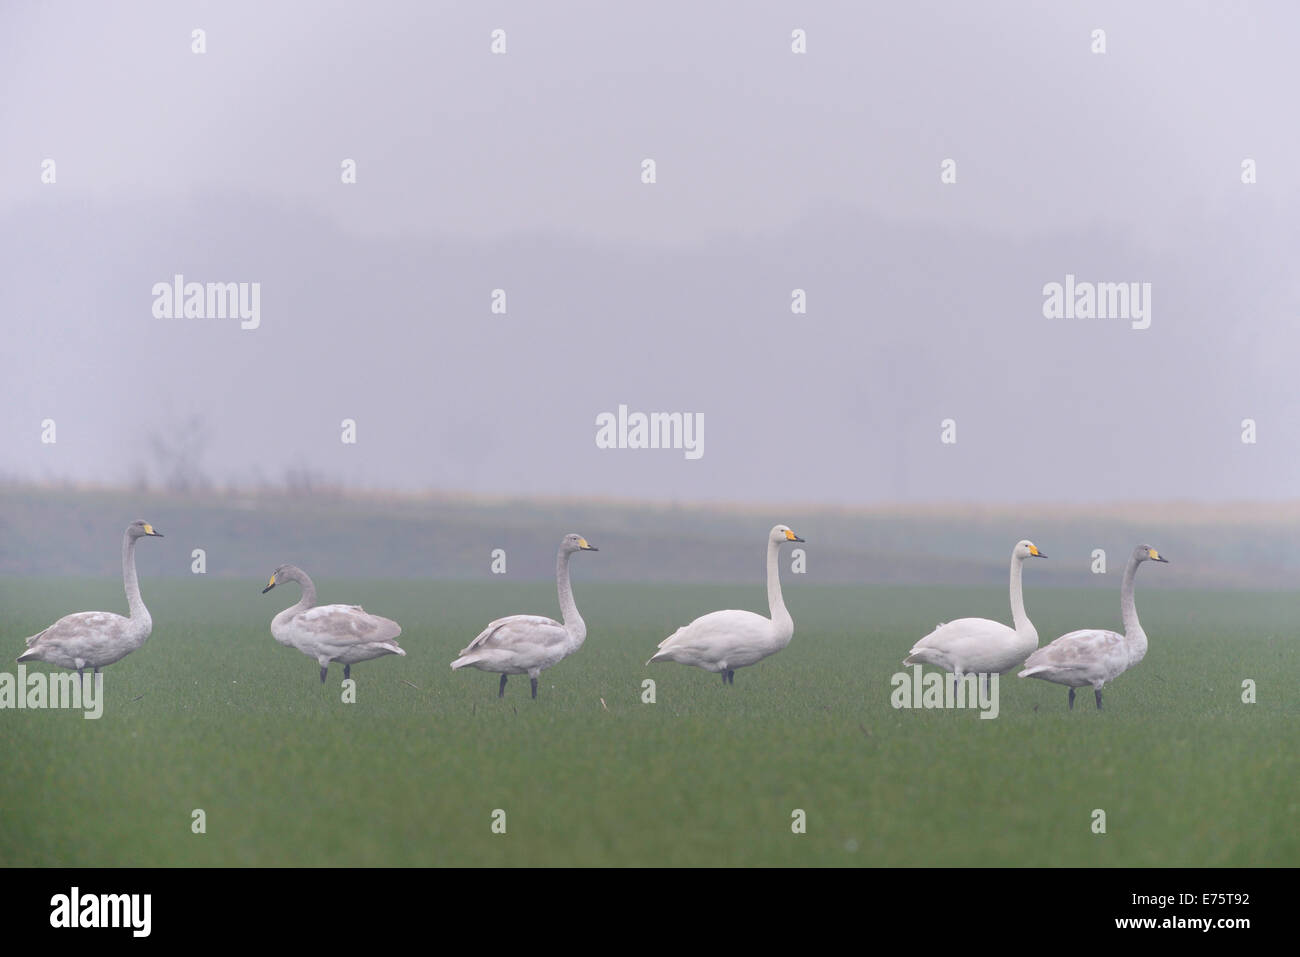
x=529 y=644
x=979 y=645
x=99 y=638
x=343 y=633
x=723 y=641
x=1094 y=656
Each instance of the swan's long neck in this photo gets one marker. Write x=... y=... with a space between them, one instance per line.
x=572 y=620
x=129 y=579
x=1127 y=603
x=308 y=599
x=775 y=603
x=1018 y=615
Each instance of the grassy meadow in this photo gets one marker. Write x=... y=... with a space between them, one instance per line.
x=212 y=713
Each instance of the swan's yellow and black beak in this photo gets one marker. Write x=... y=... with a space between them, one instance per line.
x=269 y=585
x=1155 y=556
x=792 y=537
x=1033 y=550
x=150 y=530
x=583 y=546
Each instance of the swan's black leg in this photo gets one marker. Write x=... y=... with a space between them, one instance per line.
x=1071 y=699
x=1098 y=699
x=731 y=676
x=986 y=684
x=533 y=682
x=347 y=672
x=501 y=691
x=324 y=669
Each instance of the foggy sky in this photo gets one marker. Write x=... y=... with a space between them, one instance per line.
x=775 y=172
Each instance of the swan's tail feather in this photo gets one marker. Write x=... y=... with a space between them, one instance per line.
x=921 y=656
x=672 y=636
x=462 y=662
x=1030 y=672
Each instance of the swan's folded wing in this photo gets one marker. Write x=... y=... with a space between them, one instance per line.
x=532 y=629
x=1078 y=652
x=962 y=633
x=722 y=632
x=79 y=626
x=346 y=624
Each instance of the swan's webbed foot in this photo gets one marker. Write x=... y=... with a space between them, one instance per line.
x=501 y=691
x=324 y=670
x=1071 y=699
x=1098 y=699
x=533 y=682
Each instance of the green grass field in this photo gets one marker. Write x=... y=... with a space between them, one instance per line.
x=211 y=713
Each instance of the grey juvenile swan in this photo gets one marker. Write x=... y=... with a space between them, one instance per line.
x=343 y=633
x=1094 y=656
x=529 y=644
x=98 y=638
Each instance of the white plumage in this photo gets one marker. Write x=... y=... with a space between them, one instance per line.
x=980 y=645
x=93 y=639
x=723 y=641
x=345 y=634
x=1095 y=656
x=529 y=644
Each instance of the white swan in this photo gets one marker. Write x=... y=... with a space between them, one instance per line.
x=723 y=641
x=99 y=638
x=1094 y=656
x=979 y=645
x=529 y=644
x=343 y=633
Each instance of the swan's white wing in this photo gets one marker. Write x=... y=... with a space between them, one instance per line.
x=517 y=630
x=974 y=645
x=734 y=636
x=965 y=633
x=1085 y=656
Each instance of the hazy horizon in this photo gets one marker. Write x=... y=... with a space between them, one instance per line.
x=775 y=171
